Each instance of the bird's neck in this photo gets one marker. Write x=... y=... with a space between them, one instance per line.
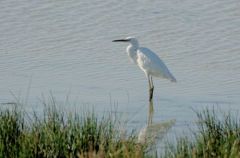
x=132 y=51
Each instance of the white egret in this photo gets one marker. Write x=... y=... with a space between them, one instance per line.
x=147 y=61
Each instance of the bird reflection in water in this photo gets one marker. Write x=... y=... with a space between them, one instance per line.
x=152 y=132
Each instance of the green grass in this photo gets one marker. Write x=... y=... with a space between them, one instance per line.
x=57 y=134
x=60 y=135
x=216 y=137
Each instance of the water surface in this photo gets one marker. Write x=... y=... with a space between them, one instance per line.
x=64 y=47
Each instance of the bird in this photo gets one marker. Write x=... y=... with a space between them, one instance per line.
x=148 y=61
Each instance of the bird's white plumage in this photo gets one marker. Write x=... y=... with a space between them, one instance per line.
x=148 y=61
x=152 y=65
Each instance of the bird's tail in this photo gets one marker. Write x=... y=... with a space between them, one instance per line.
x=172 y=78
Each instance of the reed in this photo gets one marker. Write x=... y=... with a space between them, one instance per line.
x=61 y=135
x=217 y=136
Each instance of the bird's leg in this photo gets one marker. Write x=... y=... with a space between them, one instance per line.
x=151 y=89
x=152 y=84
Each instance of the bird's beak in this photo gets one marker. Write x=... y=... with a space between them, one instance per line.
x=121 y=40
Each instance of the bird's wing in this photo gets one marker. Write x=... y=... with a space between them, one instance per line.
x=150 y=62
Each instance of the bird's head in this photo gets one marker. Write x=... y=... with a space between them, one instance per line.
x=130 y=40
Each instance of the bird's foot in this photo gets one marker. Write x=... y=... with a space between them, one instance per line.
x=151 y=93
x=152 y=89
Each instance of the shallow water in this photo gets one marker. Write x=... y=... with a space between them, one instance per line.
x=65 y=48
